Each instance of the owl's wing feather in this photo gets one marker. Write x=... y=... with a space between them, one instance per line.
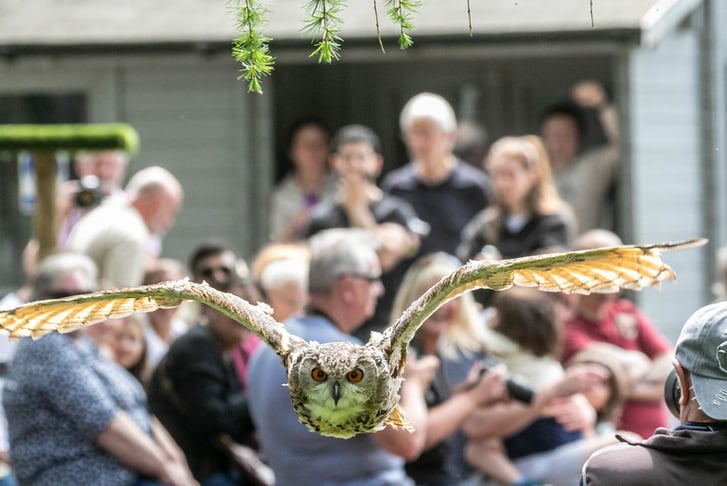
x=70 y=313
x=600 y=270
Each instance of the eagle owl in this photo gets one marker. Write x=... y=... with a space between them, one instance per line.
x=342 y=389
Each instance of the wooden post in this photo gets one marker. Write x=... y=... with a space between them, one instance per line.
x=45 y=224
x=43 y=141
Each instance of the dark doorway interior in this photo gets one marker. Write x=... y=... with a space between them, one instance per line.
x=15 y=227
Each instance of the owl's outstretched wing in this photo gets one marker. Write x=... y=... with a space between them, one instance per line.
x=601 y=270
x=67 y=314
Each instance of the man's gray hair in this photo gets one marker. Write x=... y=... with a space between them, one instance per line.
x=337 y=252
x=54 y=268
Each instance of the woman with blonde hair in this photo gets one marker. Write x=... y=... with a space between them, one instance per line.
x=527 y=215
x=454 y=334
x=462 y=333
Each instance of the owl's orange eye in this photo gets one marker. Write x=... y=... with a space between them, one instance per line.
x=355 y=375
x=318 y=374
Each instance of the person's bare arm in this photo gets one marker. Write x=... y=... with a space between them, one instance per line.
x=123 y=439
x=504 y=419
x=650 y=386
x=449 y=416
x=166 y=442
x=395 y=244
x=405 y=444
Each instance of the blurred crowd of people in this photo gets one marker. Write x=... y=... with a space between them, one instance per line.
x=188 y=396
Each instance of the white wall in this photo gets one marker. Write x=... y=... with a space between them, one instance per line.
x=197 y=120
x=663 y=148
x=193 y=117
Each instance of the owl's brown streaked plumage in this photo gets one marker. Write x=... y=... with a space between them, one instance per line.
x=343 y=389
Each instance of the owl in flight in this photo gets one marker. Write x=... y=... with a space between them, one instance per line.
x=341 y=389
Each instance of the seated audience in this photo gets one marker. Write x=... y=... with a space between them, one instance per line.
x=343 y=285
x=281 y=272
x=75 y=417
x=216 y=262
x=452 y=334
x=162 y=326
x=606 y=398
x=546 y=438
x=694 y=451
x=213 y=261
x=196 y=394
x=132 y=348
x=611 y=319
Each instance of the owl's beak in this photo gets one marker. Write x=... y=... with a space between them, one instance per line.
x=336 y=392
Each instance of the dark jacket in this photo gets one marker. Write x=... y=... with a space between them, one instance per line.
x=686 y=455
x=195 y=393
x=541 y=232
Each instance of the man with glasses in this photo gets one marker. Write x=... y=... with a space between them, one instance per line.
x=213 y=261
x=344 y=286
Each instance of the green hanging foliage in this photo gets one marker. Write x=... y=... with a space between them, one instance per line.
x=251 y=47
x=401 y=12
x=323 y=22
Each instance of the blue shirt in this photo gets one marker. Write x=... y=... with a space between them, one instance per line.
x=59 y=396
x=301 y=457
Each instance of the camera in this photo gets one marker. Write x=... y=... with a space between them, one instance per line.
x=89 y=193
x=672 y=393
x=518 y=391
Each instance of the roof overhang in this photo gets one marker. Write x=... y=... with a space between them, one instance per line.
x=93 y=26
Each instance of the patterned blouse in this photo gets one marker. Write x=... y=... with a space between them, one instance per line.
x=59 y=396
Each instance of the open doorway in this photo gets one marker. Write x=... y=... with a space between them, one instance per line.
x=15 y=226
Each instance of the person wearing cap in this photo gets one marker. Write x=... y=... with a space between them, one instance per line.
x=694 y=452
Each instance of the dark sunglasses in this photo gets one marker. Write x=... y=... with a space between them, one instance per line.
x=208 y=272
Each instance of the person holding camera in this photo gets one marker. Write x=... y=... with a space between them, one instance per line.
x=118 y=235
x=100 y=177
x=546 y=437
x=694 y=451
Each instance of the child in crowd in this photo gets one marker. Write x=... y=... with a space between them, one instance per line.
x=546 y=439
x=131 y=347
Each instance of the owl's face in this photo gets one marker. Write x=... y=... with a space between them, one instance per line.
x=341 y=389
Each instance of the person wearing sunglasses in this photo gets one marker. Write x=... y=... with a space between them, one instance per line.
x=213 y=261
